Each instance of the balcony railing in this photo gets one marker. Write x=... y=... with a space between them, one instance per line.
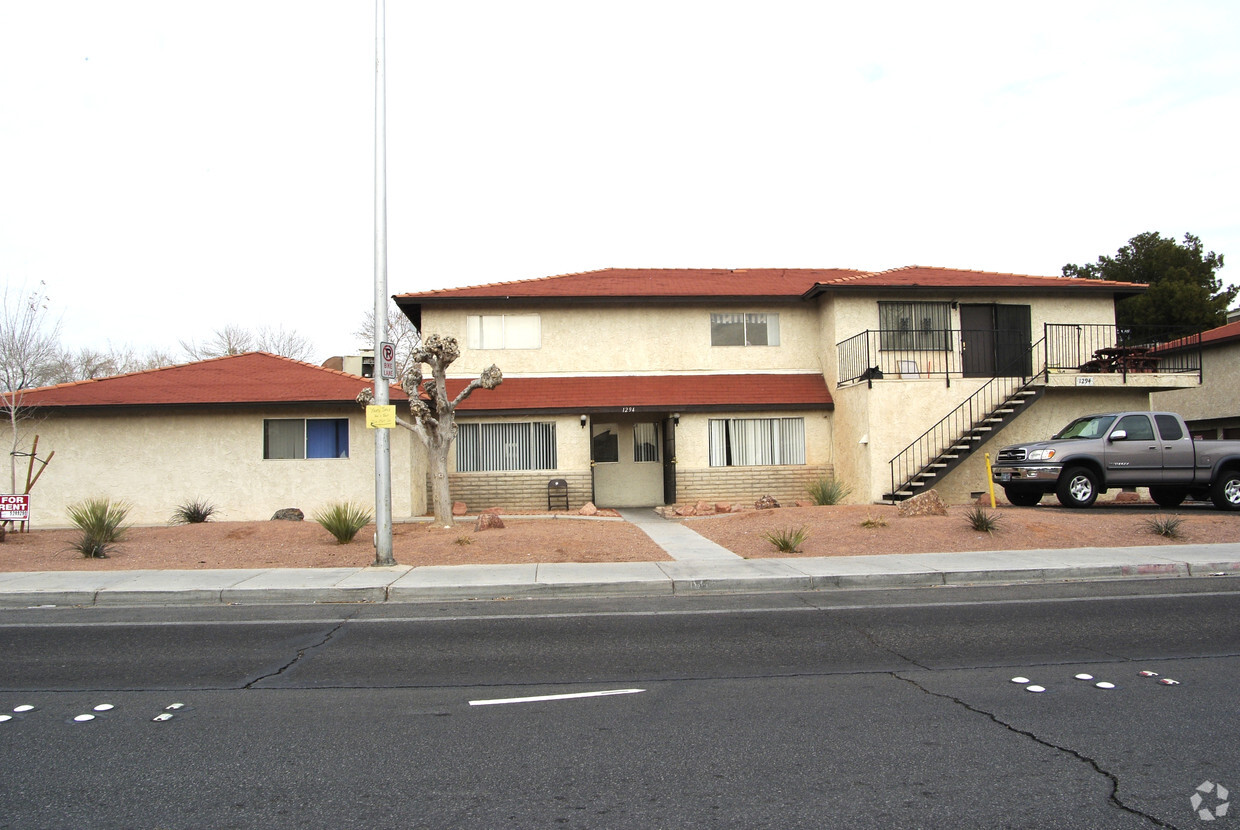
x=1088 y=348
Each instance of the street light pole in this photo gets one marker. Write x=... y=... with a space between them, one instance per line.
x=383 y=445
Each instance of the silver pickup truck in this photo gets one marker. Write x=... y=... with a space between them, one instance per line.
x=1122 y=449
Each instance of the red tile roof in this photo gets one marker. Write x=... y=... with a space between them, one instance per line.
x=1213 y=337
x=252 y=378
x=688 y=283
x=646 y=393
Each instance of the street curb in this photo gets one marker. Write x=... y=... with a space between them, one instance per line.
x=401 y=584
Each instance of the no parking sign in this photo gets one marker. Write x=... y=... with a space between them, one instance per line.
x=387 y=360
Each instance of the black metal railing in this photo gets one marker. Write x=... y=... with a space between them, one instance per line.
x=1070 y=347
x=1107 y=349
x=969 y=424
x=878 y=353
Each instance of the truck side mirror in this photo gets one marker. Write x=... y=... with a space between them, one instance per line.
x=1118 y=435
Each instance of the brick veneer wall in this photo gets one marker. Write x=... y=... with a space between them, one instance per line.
x=737 y=485
x=745 y=485
x=514 y=490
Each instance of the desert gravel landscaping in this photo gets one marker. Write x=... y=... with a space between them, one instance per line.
x=833 y=531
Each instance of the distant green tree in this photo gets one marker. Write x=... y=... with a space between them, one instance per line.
x=1185 y=294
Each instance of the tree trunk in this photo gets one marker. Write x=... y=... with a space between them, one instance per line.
x=441 y=495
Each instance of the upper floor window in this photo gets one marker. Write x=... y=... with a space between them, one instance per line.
x=306 y=438
x=503 y=331
x=744 y=329
x=914 y=326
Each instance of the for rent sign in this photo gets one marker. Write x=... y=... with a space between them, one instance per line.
x=15 y=508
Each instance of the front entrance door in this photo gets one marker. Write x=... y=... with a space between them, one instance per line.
x=626 y=454
x=995 y=340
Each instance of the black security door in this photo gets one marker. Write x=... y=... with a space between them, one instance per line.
x=977 y=341
x=995 y=340
x=669 y=460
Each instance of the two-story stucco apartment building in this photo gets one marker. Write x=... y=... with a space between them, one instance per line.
x=649 y=387
x=636 y=387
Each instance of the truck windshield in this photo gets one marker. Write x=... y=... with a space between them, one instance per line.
x=1095 y=426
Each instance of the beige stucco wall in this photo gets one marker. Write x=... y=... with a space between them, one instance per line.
x=620 y=337
x=873 y=425
x=1218 y=396
x=158 y=459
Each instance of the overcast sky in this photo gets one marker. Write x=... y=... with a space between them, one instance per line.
x=171 y=167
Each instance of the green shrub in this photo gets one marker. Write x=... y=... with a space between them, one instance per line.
x=788 y=540
x=826 y=491
x=102 y=522
x=343 y=520
x=982 y=521
x=1168 y=526
x=193 y=512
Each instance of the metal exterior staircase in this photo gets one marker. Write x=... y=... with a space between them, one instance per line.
x=948 y=443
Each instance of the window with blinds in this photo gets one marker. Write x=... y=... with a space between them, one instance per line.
x=750 y=442
x=914 y=326
x=502 y=446
x=744 y=329
x=306 y=438
x=645 y=442
x=503 y=331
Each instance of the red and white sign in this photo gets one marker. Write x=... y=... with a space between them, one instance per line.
x=387 y=360
x=15 y=508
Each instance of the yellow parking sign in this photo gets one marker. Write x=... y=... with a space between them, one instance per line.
x=380 y=417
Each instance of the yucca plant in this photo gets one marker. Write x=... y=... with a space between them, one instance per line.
x=102 y=522
x=193 y=512
x=343 y=520
x=1168 y=526
x=788 y=540
x=827 y=491
x=981 y=520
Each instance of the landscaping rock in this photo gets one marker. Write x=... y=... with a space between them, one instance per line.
x=703 y=509
x=923 y=504
x=723 y=507
x=288 y=514
x=488 y=521
x=459 y=508
x=766 y=503
x=1128 y=495
x=588 y=509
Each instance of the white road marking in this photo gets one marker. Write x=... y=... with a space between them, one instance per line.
x=498 y=701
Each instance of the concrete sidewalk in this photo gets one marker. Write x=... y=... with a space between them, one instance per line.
x=696 y=573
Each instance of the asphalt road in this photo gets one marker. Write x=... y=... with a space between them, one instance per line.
x=847 y=709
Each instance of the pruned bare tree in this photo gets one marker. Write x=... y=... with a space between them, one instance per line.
x=434 y=413
x=29 y=346
x=400 y=331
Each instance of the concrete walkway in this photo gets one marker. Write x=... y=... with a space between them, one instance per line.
x=699 y=566
x=680 y=542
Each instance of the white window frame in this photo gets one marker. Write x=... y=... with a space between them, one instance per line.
x=756 y=442
x=501 y=446
x=768 y=320
x=300 y=452
x=503 y=331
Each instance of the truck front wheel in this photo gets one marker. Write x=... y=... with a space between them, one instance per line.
x=1168 y=496
x=1226 y=491
x=1022 y=498
x=1078 y=487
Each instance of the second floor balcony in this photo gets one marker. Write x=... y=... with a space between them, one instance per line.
x=1101 y=354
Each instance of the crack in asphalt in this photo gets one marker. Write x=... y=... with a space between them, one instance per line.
x=1113 y=798
x=301 y=653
